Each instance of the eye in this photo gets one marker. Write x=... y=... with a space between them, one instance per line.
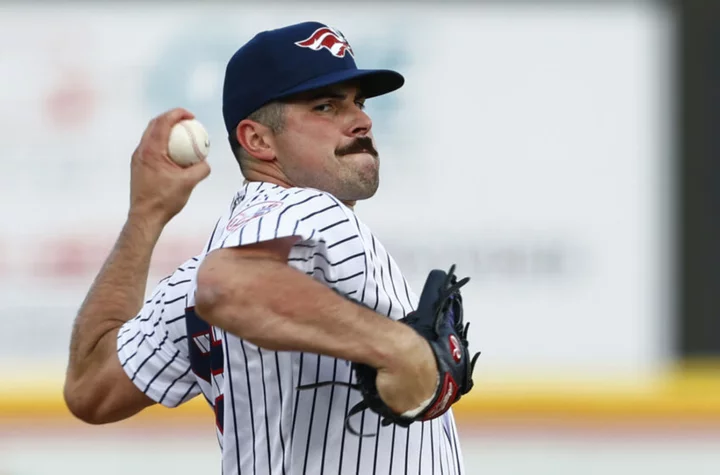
x=325 y=107
x=360 y=104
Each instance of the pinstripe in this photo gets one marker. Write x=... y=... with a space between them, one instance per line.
x=331 y=264
x=456 y=450
x=312 y=417
x=333 y=281
x=136 y=351
x=360 y=442
x=297 y=396
x=130 y=340
x=289 y=207
x=212 y=236
x=377 y=445
x=280 y=393
x=167 y=390
x=173 y=284
x=240 y=236
x=187 y=393
x=407 y=447
x=265 y=407
x=179 y=317
x=432 y=447
x=177 y=299
x=177 y=352
x=342 y=440
x=442 y=449
x=330 y=226
x=343 y=241
x=250 y=406
x=257 y=238
x=145 y=319
x=327 y=423
x=321 y=211
x=392 y=281
x=228 y=366
x=392 y=450
x=420 y=452
x=158 y=290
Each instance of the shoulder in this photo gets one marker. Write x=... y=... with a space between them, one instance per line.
x=265 y=212
x=305 y=198
x=288 y=205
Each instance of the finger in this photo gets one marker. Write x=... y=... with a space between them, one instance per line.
x=146 y=132
x=163 y=124
x=197 y=172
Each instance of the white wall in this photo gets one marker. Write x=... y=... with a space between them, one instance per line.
x=531 y=145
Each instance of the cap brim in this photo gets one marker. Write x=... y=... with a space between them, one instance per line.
x=372 y=82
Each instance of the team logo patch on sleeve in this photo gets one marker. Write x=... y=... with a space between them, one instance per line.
x=251 y=212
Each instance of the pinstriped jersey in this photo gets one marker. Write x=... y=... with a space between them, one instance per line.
x=153 y=348
x=264 y=424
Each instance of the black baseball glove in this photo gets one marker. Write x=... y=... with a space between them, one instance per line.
x=439 y=319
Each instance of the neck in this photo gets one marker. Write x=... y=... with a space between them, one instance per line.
x=276 y=177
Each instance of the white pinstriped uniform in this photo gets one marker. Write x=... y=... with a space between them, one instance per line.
x=264 y=425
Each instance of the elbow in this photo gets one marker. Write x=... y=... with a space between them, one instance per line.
x=87 y=401
x=216 y=292
x=233 y=284
x=210 y=295
x=225 y=299
x=82 y=403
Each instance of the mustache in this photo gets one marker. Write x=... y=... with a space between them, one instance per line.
x=359 y=145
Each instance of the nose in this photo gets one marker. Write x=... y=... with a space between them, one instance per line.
x=360 y=124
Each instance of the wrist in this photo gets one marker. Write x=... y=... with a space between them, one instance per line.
x=413 y=413
x=406 y=350
x=150 y=224
x=147 y=217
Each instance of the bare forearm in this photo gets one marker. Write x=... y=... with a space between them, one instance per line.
x=117 y=292
x=277 y=307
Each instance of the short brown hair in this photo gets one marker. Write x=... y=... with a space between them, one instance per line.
x=271 y=115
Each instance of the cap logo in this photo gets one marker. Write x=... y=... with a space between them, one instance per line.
x=327 y=38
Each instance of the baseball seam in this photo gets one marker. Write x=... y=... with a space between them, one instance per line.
x=196 y=148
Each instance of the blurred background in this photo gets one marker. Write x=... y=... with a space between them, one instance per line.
x=563 y=154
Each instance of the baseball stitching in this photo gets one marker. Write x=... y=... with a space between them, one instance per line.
x=195 y=146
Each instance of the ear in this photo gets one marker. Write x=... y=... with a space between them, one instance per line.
x=256 y=139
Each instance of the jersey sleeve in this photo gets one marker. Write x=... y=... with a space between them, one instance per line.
x=152 y=349
x=302 y=213
x=327 y=230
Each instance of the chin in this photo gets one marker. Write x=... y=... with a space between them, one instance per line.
x=360 y=188
x=367 y=186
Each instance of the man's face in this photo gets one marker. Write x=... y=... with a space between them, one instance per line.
x=326 y=143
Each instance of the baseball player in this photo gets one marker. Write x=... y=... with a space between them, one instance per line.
x=291 y=298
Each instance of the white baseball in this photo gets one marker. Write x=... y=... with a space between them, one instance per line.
x=189 y=142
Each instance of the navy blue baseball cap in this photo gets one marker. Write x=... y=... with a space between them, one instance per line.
x=277 y=64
